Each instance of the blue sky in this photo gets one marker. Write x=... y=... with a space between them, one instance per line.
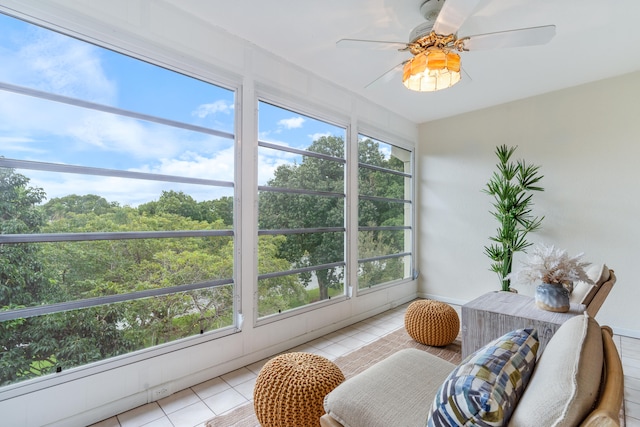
x=36 y=129
x=284 y=127
x=41 y=130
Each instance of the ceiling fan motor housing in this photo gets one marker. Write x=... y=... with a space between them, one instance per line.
x=420 y=31
x=430 y=9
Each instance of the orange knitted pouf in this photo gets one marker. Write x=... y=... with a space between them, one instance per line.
x=432 y=322
x=291 y=387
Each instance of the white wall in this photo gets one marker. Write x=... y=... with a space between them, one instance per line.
x=586 y=140
x=159 y=31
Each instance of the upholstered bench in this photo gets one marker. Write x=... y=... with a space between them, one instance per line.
x=576 y=381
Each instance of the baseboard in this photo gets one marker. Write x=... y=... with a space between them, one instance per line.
x=448 y=300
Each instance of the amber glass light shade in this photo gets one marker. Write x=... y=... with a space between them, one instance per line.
x=432 y=70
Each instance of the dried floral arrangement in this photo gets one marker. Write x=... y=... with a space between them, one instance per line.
x=548 y=264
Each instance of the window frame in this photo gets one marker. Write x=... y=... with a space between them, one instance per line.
x=376 y=134
x=174 y=62
x=245 y=88
x=268 y=95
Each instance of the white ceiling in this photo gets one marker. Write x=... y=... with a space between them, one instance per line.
x=595 y=39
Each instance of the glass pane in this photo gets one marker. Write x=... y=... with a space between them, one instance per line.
x=383 y=184
x=279 y=211
x=48 y=61
x=284 y=211
x=75 y=203
x=293 y=211
x=384 y=172
x=277 y=125
x=43 y=198
x=286 y=252
x=47 y=273
x=377 y=153
x=373 y=213
x=44 y=344
x=382 y=242
x=41 y=130
x=374 y=273
x=302 y=172
x=279 y=294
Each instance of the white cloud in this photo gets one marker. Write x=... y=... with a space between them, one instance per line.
x=317 y=136
x=117 y=134
x=134 y=192
x=17 y=144
x=29 y=121
x=63 y=65
x=212 y=109
x=124 y=191
x=51 y=62
x=53 y=132
x=270 y=160
x=292 y=123
x=195 y=165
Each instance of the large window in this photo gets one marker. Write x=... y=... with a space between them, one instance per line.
x=384 y=213
x=301 y=218
x=302 y=164
x=118 y=207
x=116 y=204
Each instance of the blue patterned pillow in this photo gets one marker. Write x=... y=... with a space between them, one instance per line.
x=484 y=389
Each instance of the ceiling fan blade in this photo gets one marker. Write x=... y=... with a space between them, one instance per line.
x=370 y=44
x=452 y=15
x=513 y=38
x=468 y=76
x=387 y=76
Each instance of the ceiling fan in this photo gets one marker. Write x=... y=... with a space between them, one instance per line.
x=434 y=44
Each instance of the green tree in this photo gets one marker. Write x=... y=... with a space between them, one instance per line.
x=277 y=294
x=88 y=269
x=292 y=211
x=59 y=207
x=375 y=213
x=21 y=273
x=39 y=345
x=223 y=209
x=278 y=210
x=179 y=203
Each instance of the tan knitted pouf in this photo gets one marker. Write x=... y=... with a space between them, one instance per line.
x=291 y=387
x=432 y=322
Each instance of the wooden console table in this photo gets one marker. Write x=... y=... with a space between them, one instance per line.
x=495 y=313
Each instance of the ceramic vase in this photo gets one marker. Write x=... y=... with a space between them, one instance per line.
x=552 y=297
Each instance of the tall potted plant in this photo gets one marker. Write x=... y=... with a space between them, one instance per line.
x=511 y=187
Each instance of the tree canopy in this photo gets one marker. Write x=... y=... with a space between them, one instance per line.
x=278 y=210
x=46 y=273
x=37 y=274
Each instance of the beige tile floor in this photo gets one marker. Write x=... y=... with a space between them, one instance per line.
x=194 y=406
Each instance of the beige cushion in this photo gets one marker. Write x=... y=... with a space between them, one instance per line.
x=598 y=273
x=580 y=290
x=396 y=391
x=564 y=385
